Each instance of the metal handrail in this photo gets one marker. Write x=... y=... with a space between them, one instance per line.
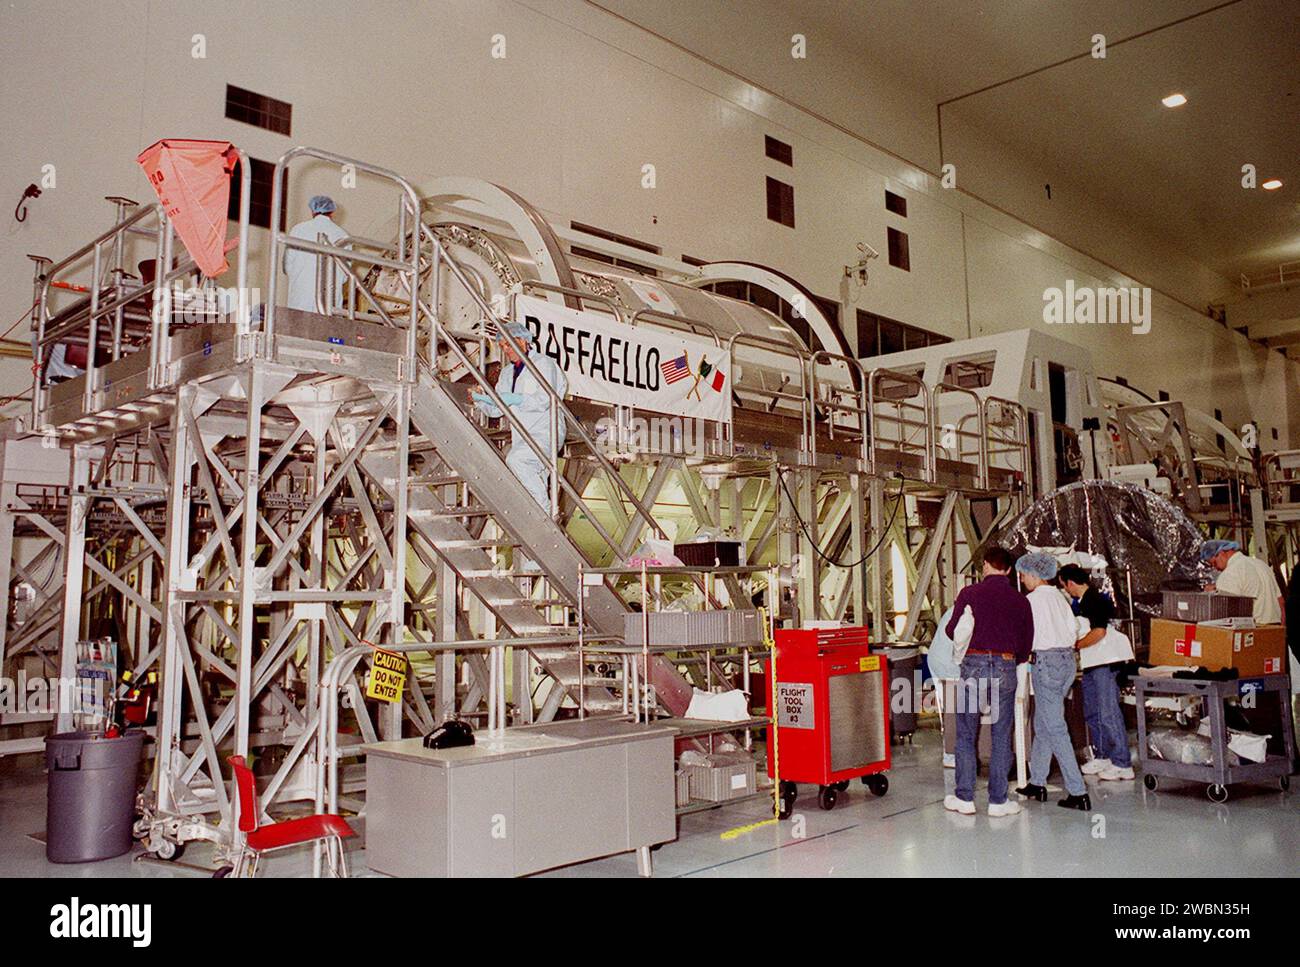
x=579 y=294
x=928 y=454
x=814 y=381
x=115 y=306
x=325 y=280
x=46 y=337
x=981 y=442
x=1020 y=439
x=800 y=357
x=1273 y=486
x=558 y=408
x=409 y=205
x=695 y=325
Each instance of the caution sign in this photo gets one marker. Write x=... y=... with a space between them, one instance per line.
x=870 y=663
x=387 y=676
x=794 y=705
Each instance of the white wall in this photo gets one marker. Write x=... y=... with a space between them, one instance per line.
x=581 y=101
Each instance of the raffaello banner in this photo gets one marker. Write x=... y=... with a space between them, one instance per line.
x=646 y=366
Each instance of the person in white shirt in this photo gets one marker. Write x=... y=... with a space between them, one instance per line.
x=302 y=267
x=1053 y=673
x=1241 y=574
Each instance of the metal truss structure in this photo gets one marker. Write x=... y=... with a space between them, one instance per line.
x=250 y=506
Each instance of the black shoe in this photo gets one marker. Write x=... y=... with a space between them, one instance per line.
x=1030 y=791
x=1077 y=802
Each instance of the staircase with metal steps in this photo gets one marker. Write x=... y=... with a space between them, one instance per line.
x=440 y=413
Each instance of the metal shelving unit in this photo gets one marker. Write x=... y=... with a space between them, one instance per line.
x=638 y=695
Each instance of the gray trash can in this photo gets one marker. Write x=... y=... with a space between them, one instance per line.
x=90 y=805
x=904 y=664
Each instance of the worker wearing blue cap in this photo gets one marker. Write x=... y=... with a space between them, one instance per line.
x=1241 y=574
x=530 y=404
x=303 y=267
x=1054 y=670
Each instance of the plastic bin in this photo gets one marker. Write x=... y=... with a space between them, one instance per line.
x=1206 y=606
x=904 y=663
x=683 y=781
x=708 y=553
x=729 y=775
x=90 y=806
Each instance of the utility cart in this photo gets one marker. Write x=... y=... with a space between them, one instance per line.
x=1219 y=773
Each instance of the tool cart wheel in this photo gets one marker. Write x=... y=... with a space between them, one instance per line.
x=878 y=784
x=789 y=792
x=1284 y=782
x=1149 y=781
x=827 y=797
x=1217 y=793
x=167 y=850
x=223 y=873
x=842 y=785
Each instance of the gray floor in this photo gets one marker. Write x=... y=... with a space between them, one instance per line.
x=1131 y=832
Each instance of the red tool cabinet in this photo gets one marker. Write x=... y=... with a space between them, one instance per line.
x=831 y=715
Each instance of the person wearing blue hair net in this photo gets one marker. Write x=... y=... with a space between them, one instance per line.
x=1242 y=574
x=529 y=401
x=1053 y=672
x=303 y=267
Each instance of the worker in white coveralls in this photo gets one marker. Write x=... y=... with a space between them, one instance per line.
x=1242 y=574
x=1249 y=576
x=531 y=405
x=302 y=267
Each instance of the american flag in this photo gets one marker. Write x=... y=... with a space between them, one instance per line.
x=675 y=369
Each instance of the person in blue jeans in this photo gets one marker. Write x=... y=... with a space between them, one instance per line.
x=1003 y=637
x=1054 y=670
x=1101 y=703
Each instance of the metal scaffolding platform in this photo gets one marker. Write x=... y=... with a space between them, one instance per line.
x=249 y=501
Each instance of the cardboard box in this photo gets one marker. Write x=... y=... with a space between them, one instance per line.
x=1252 y=651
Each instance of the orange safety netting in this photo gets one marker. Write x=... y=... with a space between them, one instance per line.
x=192 y=179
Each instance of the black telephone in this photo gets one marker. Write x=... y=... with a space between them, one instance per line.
x=451 y=734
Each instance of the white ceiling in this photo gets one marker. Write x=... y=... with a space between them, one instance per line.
x=1175 y=173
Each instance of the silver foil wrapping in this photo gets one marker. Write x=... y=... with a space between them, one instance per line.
x=1131 y=527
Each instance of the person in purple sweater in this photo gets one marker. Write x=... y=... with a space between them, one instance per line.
x=1003 y=638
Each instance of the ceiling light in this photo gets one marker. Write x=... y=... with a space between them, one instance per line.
x=1173 y=100
x=1273 y=184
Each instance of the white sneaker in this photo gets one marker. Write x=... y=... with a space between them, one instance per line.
x=950 y=760
x=1116 y=773
x=1008 y=808
x=1094 y=766
x=963 y=806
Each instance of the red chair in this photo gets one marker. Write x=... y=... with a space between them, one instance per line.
x=259 y=839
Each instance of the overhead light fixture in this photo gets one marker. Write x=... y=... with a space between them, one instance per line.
x=1273 y=184
x=1174 y=100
